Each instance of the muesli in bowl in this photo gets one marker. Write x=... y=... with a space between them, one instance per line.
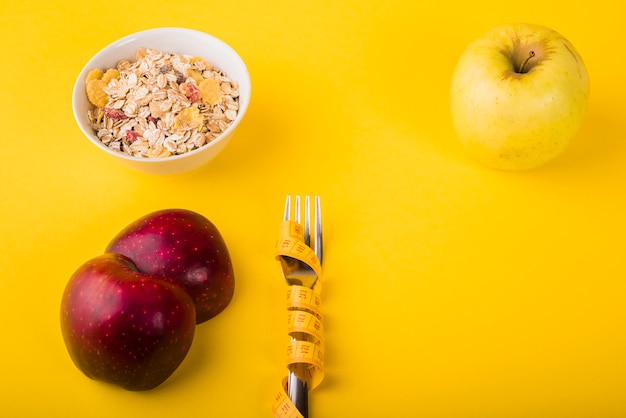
x=160 y=105
x=162 y=110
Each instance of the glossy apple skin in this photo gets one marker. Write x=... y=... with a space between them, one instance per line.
x=125 y=327
x=187 y=247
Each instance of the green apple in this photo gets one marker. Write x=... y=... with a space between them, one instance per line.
x=518 y=96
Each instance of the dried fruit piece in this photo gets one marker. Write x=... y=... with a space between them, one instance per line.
x=111 y=74
x=95 y=82
x=132 y=136
x=195 y=74
x=189 y=118
x=95 y=74
x=95 y=92
x=211 y=91
x=168 y=69
x=115 y=113
x=191 y=91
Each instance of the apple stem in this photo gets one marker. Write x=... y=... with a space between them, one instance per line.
x=530 y=56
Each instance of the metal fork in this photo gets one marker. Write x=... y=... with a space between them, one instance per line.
x=301 y=274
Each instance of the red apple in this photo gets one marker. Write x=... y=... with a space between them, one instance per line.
x=186 y=247
x=125 y=327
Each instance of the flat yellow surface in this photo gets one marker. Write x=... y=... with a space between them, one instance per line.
x=451 y=290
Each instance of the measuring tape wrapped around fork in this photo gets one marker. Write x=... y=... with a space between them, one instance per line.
x=303 y=317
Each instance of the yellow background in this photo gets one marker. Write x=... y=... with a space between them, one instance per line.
x=451 y=290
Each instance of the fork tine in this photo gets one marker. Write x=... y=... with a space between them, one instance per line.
x=297 y=209
x=287 y=208
x=307 y=221
x=317 y=243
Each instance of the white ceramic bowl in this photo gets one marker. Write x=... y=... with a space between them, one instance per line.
x=175 y=40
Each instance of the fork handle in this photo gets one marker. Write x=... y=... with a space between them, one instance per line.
x=298 y=391
x=297 y=385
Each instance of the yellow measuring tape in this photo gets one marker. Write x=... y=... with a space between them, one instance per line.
x=303 y=317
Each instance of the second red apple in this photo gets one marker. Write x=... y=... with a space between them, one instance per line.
x=185 y=246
